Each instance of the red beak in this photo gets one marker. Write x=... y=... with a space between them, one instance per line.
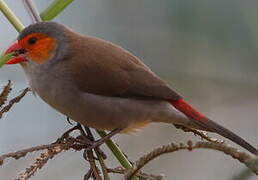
x=19 y=57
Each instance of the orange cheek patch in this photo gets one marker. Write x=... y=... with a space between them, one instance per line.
x=42 y=50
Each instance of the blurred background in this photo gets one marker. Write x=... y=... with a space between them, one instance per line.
x=207 y=50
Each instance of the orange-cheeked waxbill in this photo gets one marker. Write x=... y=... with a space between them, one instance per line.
x=100 y=84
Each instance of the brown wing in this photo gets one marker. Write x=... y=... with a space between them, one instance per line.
x=106 y=69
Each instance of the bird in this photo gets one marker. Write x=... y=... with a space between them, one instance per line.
x=101 y=85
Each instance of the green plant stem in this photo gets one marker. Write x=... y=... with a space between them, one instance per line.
x=11 y=16
x=117 y=152
x=115 y=149
x=103 y=166
x=5 y=58
x=54 y=9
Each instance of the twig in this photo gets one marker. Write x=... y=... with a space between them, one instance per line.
x=64 y=143
x=90 y=156
x=21 y=153
x=100 y=155
x=41 y=161
x=32 y=11
x=13 y=101
x=5 y=92
x=245 y=158
x=11 y=16
x=202 y=134
x=64 y=140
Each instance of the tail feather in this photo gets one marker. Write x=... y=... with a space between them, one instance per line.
x=204 y=123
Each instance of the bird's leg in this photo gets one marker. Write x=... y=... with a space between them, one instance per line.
x=87 y=140
x=97 y=149
x=88 y=175
x=66 y=134
x=100 y=152
x=104 y=139
x=88 y=156
x=68 y=120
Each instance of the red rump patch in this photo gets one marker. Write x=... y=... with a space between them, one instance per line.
x=188 y=110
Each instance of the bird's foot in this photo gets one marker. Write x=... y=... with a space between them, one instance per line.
x=92 y=144
x=86 y=140
x=69 y=120
x=67 y=133
x=99 y=142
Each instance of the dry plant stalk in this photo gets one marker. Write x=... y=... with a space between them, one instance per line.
x=201 y=134
x=41 y=161
x=5 y=92
x=250 y=161
x=22 y=153
x=13 y=101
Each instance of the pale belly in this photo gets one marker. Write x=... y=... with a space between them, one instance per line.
x=108 y=113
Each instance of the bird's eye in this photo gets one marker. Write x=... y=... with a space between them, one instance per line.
x=32 y=40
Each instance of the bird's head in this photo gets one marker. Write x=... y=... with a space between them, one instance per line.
x=38 y=43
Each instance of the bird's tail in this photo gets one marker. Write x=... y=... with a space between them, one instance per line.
x=204 y=123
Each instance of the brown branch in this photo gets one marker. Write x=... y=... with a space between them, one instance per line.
x=100 y=157
x=5 y=92
x=13 y=101
x=90 y=158
x=88 y=155
x=248 y=160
